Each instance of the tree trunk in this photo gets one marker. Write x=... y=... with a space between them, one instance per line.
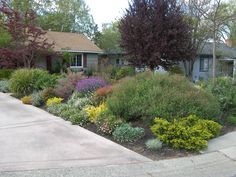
x=214 y=55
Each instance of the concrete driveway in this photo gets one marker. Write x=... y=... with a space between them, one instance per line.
x=32 y=139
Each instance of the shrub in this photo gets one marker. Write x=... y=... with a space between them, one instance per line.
x=190 y=133
x=106 y=122
x=42 y=79
x=80 y=118
x=176 y=70
x=66 y=86
x=57 y=109
x=224 y=89
x=102 y=93
x=48 y=93
x=37 y=99
x=25 y=81
x=53 y=101
x=21 y=82
x=231 y=120
x=126 y=133
x=90 y=84
x=93 y=112
x=124 y=71
x=26 y=100
x=5 y=73
x=4 y=86
x=67 y=113
x=151 y=95
x=76 y=100
x=154 y=144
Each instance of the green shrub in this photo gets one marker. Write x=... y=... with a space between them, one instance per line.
x=42 y=79
x=190 y=133
x=161 y=95
x=25 y=81
x=224 y=89
x=37 y=99
x=67 y=113
x=48 y=93
x=79 y=101
x=5 y=73
x=154 y=144
x=124 y=71
x=57 y=109
x=231 y=120
x=4 y=86
x=79 y=118
x=53 y=101
x=176 y=70
x=126 y=133
x=106 y=122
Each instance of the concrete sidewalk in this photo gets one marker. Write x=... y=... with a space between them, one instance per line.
x=32 y=139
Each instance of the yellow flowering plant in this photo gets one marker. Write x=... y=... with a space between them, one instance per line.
x=93 y=112
x=53 y=101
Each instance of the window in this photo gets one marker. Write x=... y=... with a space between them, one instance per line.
x=76 y=61
x=204 y=64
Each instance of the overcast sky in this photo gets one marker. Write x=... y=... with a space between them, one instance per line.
x=106 y=11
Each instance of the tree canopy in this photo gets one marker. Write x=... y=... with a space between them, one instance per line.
x=156 y=33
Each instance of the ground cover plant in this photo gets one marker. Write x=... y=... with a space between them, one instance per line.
x=4 y=86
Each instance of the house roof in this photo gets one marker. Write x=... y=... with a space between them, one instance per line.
x=221 y=50
x=72 y=42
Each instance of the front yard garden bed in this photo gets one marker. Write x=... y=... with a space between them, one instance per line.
x=160 y=116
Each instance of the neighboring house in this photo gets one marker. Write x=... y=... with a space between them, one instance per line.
x=85 y=52
x=225 y=62
x=202 y=70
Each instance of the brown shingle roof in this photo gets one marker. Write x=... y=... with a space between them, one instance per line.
x=74 y=42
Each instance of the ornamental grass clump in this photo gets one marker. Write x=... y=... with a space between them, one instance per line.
x=90 y=84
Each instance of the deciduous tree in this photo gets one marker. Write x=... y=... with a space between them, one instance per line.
x=156 y=33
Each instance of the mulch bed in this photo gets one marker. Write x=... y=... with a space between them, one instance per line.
x=140 y=148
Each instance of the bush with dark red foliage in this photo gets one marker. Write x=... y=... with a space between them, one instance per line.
x=66 y=86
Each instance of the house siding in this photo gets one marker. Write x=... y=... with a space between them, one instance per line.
x=92 y=61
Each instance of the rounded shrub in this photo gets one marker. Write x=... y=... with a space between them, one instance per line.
x=27 y=100
x=153 y=144
x=79 y=118
x=37 y=99
x=127 y=133
x=190 y=133
x=53 y=101
x=149 y=95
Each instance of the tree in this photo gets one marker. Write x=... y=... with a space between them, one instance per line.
x=156 y=33
x=218 y=15
x=109 y=38
x=27 y=40
x=68 y=16
x=200 y=31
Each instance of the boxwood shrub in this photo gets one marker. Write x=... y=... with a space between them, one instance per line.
x=150 y=95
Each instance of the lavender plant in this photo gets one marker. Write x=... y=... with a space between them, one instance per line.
x=90 y=84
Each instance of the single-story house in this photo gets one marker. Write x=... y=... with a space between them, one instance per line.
x=202 y=69
x=225 y=62
x=85 y=52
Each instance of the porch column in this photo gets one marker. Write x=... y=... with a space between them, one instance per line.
x=234 y=72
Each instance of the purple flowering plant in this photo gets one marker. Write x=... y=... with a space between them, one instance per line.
x=90 y=84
